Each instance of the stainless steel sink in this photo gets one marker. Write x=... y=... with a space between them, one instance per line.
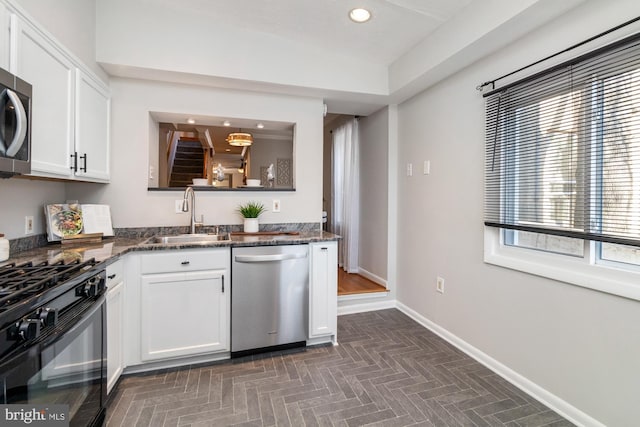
x=189 y=238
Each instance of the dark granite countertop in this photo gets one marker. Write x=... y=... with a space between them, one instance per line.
x=110 y=249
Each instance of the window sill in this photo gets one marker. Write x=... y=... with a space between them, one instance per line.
x=573 y=270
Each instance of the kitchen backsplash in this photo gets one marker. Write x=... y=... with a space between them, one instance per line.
x=139 y=232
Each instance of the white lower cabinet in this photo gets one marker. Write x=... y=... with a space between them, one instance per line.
x=184 y=303
x=323 y=290
x=115 y=323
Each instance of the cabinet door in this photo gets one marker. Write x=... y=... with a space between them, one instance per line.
x=183 y=314
x=39 y=62
x=323 y=289
x=4 y=37
x=92 y=128
x=115 y=332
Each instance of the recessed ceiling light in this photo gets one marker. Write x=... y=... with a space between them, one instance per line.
x=191 y=121
x=359 y=15
x=226 y=123
x=260 y=126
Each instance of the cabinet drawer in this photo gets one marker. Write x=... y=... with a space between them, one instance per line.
x=184 y=260
x=115 y=273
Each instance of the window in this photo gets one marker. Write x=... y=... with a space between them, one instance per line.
x=562 y=163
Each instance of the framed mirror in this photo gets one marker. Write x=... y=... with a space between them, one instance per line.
x=223 y=154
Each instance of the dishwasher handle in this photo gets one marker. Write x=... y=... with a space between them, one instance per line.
x=268 y=258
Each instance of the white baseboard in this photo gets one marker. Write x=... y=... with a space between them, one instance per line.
x=366 y=296
x=559 y=405
x=366 y=306
x=377 y=279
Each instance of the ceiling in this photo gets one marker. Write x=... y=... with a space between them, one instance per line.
x=395 y=27
x=310 y=48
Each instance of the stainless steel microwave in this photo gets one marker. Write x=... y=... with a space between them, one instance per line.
x=15 y=125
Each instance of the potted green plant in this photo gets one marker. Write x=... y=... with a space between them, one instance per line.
x=250 y=211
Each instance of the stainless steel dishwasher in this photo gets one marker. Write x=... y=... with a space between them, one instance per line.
x=269 y=298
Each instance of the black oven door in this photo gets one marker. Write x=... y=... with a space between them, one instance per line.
x=66 y=367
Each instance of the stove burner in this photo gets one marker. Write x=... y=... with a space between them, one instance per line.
x=20 y=282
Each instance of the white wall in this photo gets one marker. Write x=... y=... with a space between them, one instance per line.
x=72 y=22
x=24 y=197
x=374 y=138
x=580 y=345
x=133 y=132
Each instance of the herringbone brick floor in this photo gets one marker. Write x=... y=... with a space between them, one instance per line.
x=387 y=371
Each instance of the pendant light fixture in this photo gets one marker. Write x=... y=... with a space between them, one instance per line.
x=240 y=139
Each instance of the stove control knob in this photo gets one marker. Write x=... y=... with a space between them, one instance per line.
x=88 y=289
x=48 y=317
x=29 y=329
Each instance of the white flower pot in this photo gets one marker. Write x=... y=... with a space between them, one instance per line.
x=250 y=225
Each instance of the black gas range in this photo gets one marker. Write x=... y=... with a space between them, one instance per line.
x=53 y=338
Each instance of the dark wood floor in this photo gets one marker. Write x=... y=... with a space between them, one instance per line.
x=350 y=284
x=387 y=371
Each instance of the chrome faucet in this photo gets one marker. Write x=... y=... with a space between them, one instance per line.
x=185 y=208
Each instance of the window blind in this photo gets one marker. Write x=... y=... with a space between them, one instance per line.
x=562 y=152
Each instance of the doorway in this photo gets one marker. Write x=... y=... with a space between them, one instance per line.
x=367 y=273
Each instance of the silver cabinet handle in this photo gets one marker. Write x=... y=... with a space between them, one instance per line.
x=268 y=258
x=223 y=283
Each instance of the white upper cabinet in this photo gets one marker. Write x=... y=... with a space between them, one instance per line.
x=69 y=107
x=51 y=75
x=92 y=127
x=4 y=36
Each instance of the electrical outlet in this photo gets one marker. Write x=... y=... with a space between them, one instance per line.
x=440 y=284
x=28 y=224
x=276 y=205
x=409 y=169
x=179 y=206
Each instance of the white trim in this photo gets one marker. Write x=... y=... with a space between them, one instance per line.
x=367 y=295
x=554 y=402
x=370 y=306
x=579 y=271
x=367 y=274
x=176 y=362
x=392 y=200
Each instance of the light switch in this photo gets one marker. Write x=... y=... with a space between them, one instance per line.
x=427 y=167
